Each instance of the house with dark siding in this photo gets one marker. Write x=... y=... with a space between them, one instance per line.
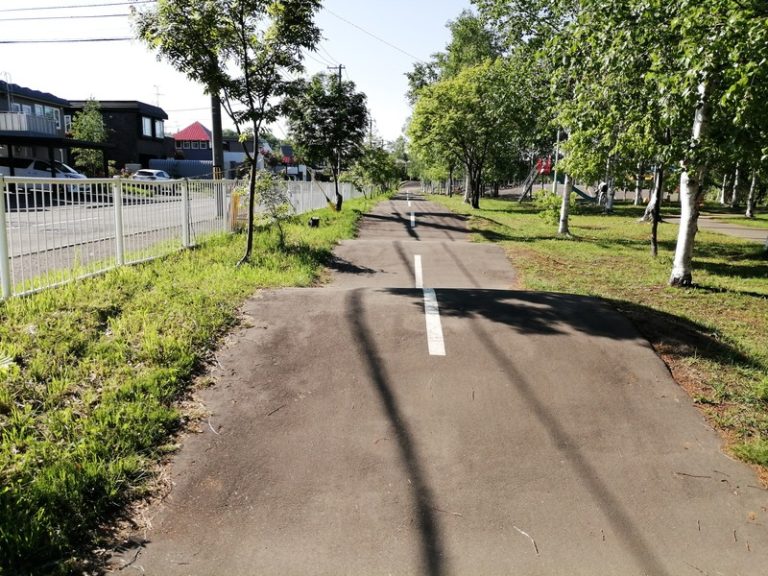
x=136 y=129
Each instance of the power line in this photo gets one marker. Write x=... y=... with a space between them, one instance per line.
x=334 y=61
x=68 y=41
x=101 y=5
x=372 y=35
x=84 y=16
x=318 y=58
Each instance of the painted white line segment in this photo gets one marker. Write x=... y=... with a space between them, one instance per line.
x=417 y=271
x=413 y=219
x=435 y=339
x=409 y=203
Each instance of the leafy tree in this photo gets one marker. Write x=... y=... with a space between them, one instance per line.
x=482 y=113
x=88 y=124
x=328 y=119
x=472 y=42
x=242 y=50
x=376 y=167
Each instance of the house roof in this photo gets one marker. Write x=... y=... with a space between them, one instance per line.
x=17 y=90
x=123 y=106
x=195 y=131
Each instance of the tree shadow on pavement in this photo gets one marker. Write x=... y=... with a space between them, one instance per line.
x=555 y=314
x=423 y=501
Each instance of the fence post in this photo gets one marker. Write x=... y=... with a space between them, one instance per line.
x=117 y=198
x=186 y=211
x=5 y=267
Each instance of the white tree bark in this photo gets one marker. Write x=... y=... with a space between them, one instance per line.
x=654 y=198
x=751 y=196
x=690 y=193
x=639 y=185
x=735 y=189
x=721 y=196
x=565 y=207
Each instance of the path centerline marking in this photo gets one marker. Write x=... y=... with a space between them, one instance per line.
x=435 y=339
x=417 y=271
x=413 y=219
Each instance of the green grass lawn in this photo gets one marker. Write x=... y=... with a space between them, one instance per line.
x=91 y=375
x=714 y=337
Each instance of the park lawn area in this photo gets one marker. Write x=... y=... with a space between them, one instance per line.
x=713 y=337
x=93 y=374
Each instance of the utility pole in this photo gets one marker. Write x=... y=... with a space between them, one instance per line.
x=340 y=67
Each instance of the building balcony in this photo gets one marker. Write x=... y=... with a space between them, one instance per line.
x=27 y=124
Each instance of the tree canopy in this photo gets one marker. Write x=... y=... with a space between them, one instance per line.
x=242 y=50
x=327 y=118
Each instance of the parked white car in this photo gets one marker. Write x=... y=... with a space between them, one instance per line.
x=150 y=174
x=35 y=168
x=32 y=168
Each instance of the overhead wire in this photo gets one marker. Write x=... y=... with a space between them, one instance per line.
x=99 y=5
x=372 y=35
x=66 y=41
x=84 y=16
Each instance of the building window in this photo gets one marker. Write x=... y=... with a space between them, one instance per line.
x=15 y=107
x=203 y=145
x=186 y=144
x=159 y=129
x=146 y=126
x=57 y=118
x=39 y=110
x=67 y=123
x=195 y=144
x=178 y=144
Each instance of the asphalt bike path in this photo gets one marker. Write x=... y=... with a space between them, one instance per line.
x=420 y=416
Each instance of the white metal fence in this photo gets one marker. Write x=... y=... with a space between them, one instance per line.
x=54 y=231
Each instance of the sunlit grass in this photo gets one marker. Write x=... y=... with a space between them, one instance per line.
x=91 y=372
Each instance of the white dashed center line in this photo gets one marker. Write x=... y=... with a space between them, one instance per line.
x=435 y=340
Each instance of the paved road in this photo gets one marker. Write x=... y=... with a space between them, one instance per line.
x=710 y=223
x=419 y=416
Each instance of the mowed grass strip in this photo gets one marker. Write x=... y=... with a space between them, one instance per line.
x=91 y=374
x=714 y=337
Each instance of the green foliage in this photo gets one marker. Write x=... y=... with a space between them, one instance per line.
x=755 y=452
x=468 y=120
x=90 y=374
x=241 y=50
x=549 y=205
x=88 y=124
x=377 y=168
x=272 y=195
x=327 y=119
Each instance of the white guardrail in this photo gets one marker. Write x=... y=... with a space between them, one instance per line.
x=54 y=231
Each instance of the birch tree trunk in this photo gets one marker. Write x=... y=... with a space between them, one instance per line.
x=735 y=190
x=655 y=197
x=751 y=196
x=565 y=207
x=639 y=185
x=690 y=194
x=721 y=196
x=658 y=180
x=467 y=189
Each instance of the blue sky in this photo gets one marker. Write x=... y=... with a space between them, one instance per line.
x=410 y=29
